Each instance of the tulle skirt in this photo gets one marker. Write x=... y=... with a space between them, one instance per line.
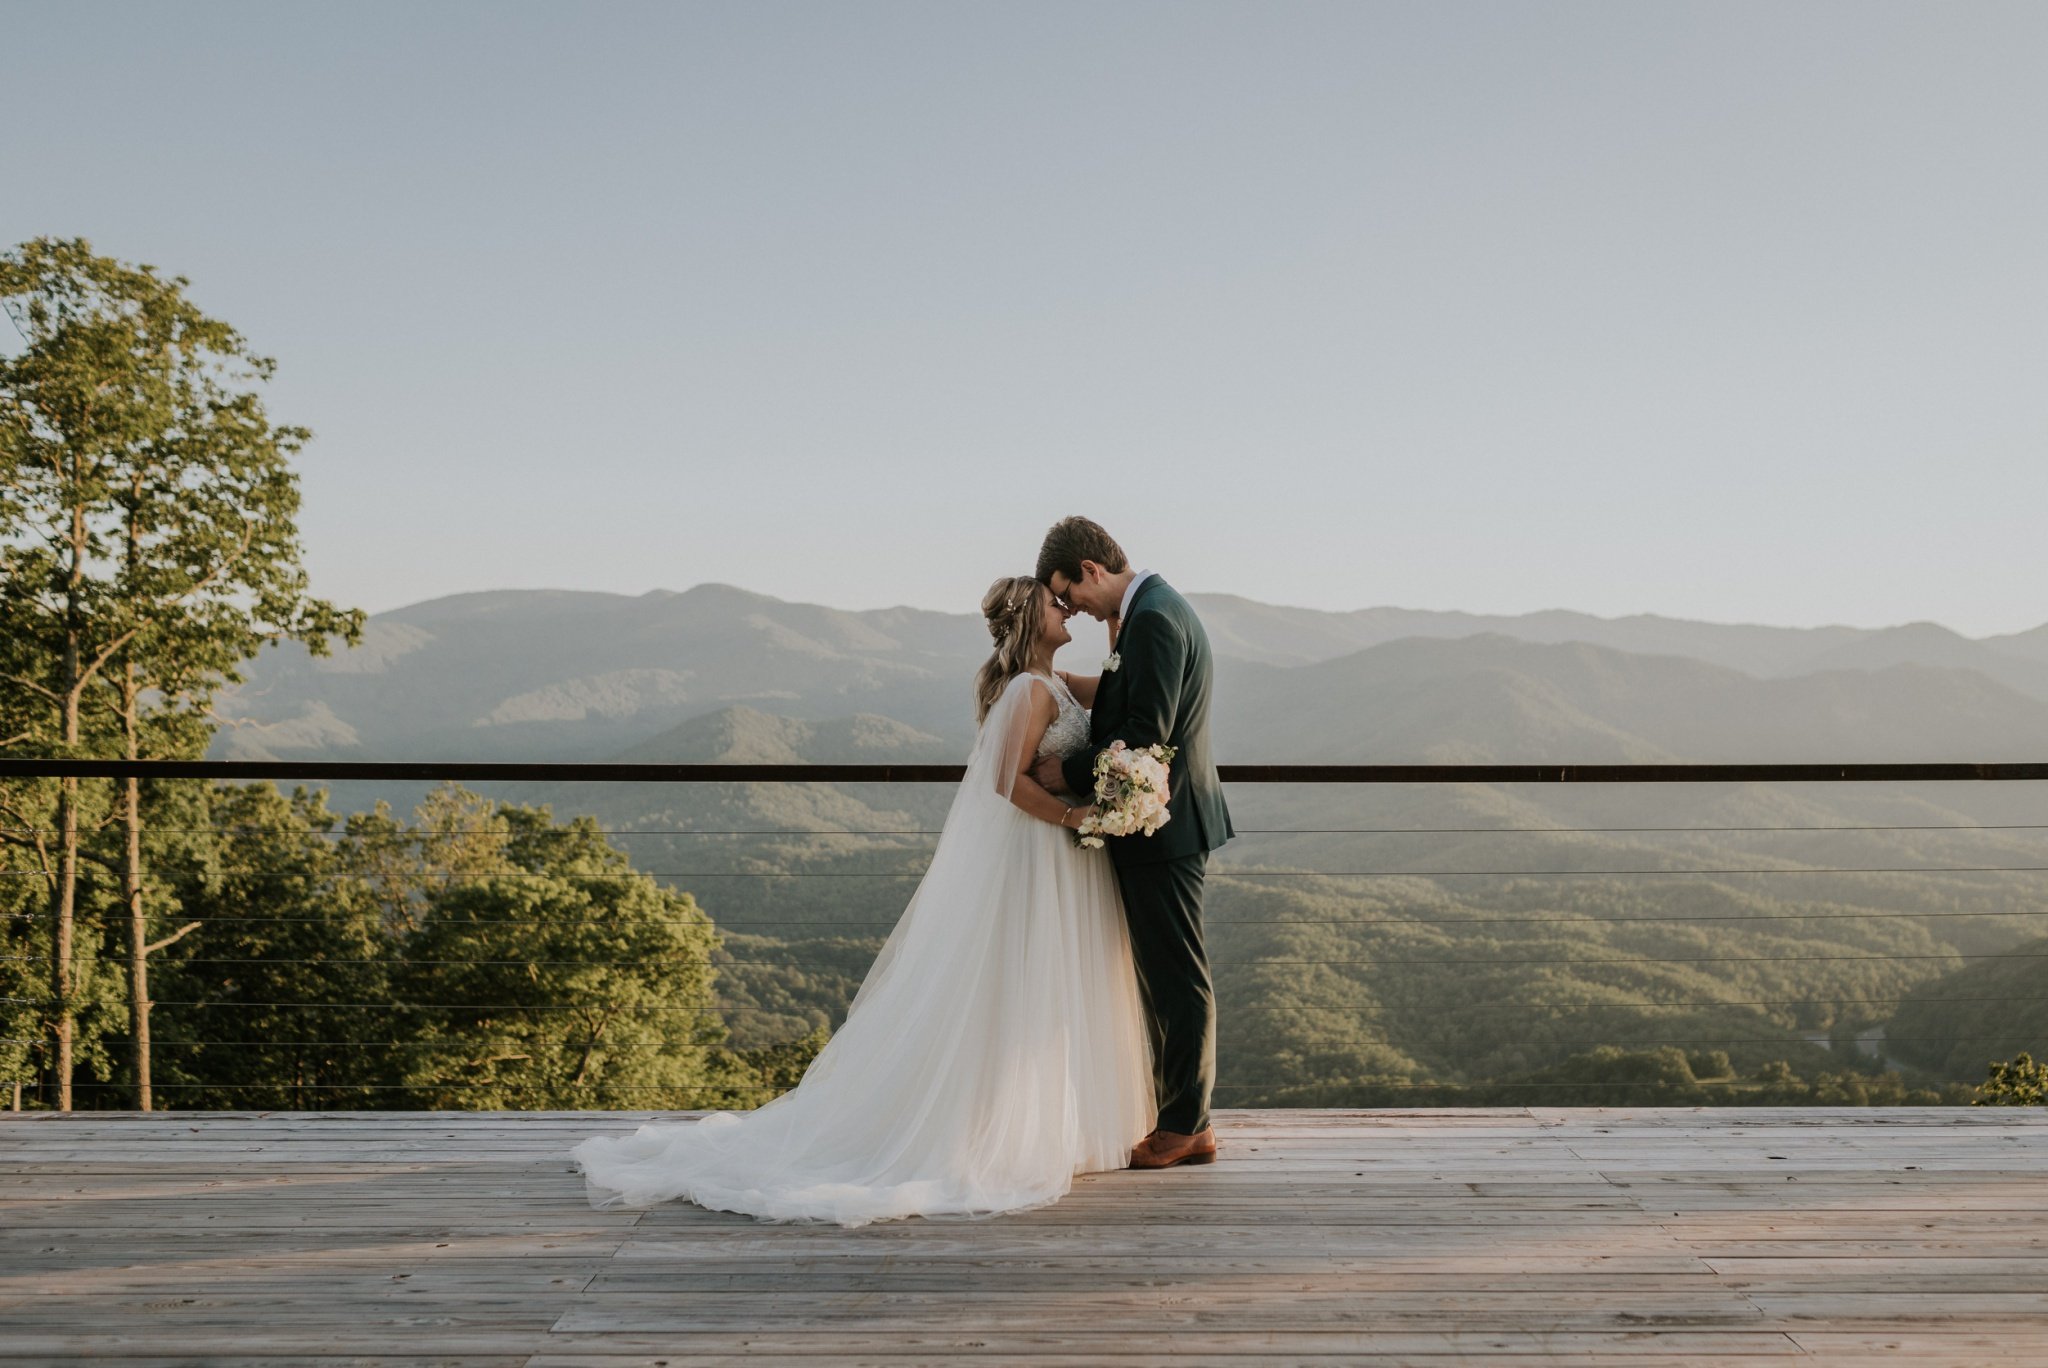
x=996 y=1048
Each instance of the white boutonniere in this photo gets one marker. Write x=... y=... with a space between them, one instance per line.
x=1111 y=661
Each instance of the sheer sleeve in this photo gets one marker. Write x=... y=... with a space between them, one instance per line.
x=1010 y=735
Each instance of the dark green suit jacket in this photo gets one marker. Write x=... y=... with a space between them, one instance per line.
x=1160 y=692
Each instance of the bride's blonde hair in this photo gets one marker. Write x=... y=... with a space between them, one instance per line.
x=1016 y=618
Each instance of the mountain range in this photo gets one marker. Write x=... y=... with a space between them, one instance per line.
x=557 y=675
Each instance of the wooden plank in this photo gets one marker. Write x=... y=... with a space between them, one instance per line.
x=1634 y=1347
x=1976 y=1344
x=1503 y=1352
x=1131 y=1243
x=977 y=1311
x=268 y=1358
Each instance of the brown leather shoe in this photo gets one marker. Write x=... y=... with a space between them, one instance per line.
x=1164 y=1149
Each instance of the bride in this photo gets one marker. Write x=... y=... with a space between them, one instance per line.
x=997 y=1046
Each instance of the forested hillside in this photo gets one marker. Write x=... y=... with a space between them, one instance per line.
x=1990 y=1009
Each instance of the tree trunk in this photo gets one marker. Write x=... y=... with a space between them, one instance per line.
x=131 y=893
x=131 y=821
x=63 y=899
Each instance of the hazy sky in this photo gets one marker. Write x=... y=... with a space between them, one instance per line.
x=1732 y=311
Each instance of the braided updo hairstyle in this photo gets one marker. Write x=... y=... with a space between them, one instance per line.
x=1015 y=614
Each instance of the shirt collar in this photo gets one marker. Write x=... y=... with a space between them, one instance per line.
x=1130 y=592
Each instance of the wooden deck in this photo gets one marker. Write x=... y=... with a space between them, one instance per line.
x=1625 y=1236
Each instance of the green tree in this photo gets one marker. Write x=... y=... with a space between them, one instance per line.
x=2015 y=1082
x=456 y=836
x=477 y=956
x=28 y=877
x=149 y=532
x=282 y=998
x=775 y=1069
x=569 y=979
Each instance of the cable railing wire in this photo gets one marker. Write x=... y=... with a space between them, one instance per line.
x=602 y=1089
x=1227 y=872
x=405 y=835
x=523 y=961
x=237 y=1004
x=741 y=924
x=611 y=1045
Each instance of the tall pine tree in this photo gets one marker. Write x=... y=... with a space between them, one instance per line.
x=148 y=545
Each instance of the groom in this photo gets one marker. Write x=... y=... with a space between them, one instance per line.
x=1155 y=688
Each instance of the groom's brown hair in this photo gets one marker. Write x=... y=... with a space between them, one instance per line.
x=1073 y=540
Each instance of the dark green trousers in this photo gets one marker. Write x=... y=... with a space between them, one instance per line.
x=1163 y=904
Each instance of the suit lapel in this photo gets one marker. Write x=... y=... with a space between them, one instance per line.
x=1109 y=705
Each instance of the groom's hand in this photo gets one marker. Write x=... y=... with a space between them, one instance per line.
x=1046 y=773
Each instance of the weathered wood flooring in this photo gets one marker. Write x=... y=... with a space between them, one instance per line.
x=1625 y=1236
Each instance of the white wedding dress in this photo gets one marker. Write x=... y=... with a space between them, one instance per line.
x=996 y=1048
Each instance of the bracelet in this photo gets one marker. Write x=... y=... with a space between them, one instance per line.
x=1063 y=815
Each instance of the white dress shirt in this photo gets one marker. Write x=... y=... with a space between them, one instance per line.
x=1130 y=592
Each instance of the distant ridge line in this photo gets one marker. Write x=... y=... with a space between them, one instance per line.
x=612 y=772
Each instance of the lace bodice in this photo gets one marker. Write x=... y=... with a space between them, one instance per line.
x=1069 y=731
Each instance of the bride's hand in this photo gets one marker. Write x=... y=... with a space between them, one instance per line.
x=1076 y=816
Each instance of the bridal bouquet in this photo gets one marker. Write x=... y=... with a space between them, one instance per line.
x=1130 y=794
